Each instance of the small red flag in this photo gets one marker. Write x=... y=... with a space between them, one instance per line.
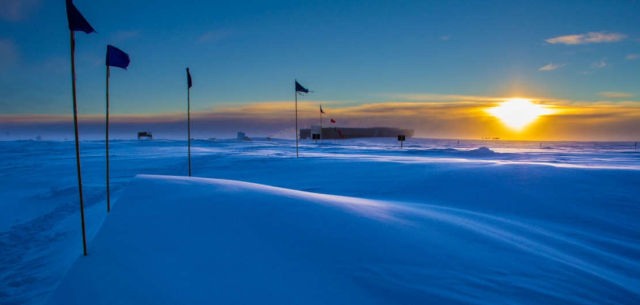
x=333 y=121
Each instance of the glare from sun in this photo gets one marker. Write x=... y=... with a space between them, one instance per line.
x=517 y=113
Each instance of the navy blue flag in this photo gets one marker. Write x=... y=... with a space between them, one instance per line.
x=189 y=83
x=76 y=20
x=299 y=88
x=117 y=58
x=321 y=111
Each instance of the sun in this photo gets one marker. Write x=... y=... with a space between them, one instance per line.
x=517 y=113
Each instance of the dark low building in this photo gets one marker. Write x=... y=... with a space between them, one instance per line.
x=145 y=135
x=350 y=133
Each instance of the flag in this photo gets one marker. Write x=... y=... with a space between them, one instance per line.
x=76 y=20
x=333 y=121
x=117 y=58
x=321 y=111
x=299 y=88
x=189 y=83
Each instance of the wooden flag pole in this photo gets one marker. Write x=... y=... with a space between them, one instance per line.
x=75 y=125
x=107 y=142
x=189 y=126
x=296 y=94
x=320 y=122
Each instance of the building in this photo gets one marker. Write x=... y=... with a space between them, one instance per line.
x=350 y=133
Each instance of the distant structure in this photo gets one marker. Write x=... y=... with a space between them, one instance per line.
x=401 y=139
x=325 y=133
x=242 y=136
x=145 y=135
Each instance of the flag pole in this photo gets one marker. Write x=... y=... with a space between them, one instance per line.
x=189 y=126
x=296 y=94
x=321 y=123
x=107 y=142
x=75 y=125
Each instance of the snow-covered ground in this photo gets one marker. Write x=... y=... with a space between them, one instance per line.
x=474 y=221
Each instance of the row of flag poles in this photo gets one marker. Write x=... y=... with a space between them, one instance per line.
x=299 y=89
x=119 y=59
x=115 y=58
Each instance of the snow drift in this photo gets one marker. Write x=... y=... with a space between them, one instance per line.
x=178 y=240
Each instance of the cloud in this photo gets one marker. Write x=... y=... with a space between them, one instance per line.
x=615 y=95
x=426 y=97
x=9 y=54
x=214 y=36
x=17 y=10
x=591 y=37
x=632 y=56
x=571 y=120
x=470 y=99
x=599 y=64
x=550 y=67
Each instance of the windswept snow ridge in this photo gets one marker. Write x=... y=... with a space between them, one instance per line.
x=573 y=204
x=179 y=240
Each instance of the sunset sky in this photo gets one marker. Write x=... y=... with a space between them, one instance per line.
x=435 y=66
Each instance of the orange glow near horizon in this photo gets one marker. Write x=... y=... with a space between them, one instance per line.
x=517 y=113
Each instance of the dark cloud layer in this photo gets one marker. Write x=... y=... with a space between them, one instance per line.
x=451 y=119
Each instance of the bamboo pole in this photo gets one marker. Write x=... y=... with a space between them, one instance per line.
x=107 y=142
x=189 y=126
x=75 y=125
x=296 y=94
x=320 y=123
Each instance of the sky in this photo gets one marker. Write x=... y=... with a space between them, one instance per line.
x=433 y=66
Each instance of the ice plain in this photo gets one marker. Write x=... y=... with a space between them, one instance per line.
x=440 y=220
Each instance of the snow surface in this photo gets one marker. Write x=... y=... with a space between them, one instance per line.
x=439 y=221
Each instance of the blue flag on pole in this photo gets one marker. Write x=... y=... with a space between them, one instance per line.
x=299 y=88
x=189 y=83
x=76 y=20
x=117 y=58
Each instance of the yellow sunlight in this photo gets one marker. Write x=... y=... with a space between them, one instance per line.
x=517 y=113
